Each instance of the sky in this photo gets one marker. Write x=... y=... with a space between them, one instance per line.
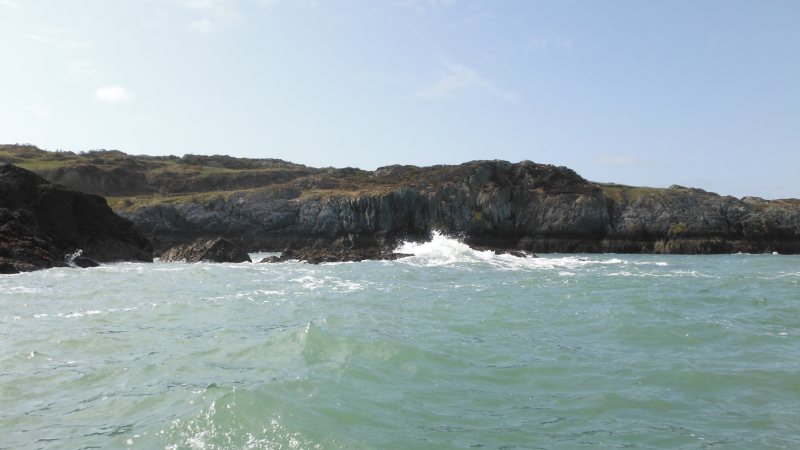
x=702 y=94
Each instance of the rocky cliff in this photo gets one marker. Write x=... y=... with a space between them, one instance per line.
x=527 y=206
x=40 y=223
x=269 y=204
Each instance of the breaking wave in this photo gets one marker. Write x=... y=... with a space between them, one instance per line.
x=442 y=250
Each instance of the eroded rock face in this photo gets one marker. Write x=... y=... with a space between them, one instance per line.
x=267 y=204
x=495 y=204
x=492 y=203
x=40 y=223
x=213 y=250
x=21 y=247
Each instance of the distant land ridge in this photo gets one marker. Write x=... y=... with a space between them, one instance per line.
x=273 y=205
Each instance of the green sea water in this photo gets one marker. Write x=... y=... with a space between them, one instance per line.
x=452 y=348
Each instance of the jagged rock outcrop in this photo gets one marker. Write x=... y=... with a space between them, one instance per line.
x=693 y=221
x=525 y=206
x=213 y=250
x=21 y=247
x=41 y=223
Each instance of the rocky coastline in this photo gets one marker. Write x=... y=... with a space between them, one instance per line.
x=352 y=214
x=43 y=225
x=492 y=204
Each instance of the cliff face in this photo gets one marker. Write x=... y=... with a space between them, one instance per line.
x=270 y=204
x=693 y=221
x=539 y=208
x=40 y=223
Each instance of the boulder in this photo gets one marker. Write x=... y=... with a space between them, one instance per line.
x=214 y=250
x=84 y=262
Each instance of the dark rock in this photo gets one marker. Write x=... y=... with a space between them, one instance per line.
x=272 y=259
x=85 y=262
x=7 y=268
x=214 y=250
x=22 y=250
x=40 y=223
x=318 y=256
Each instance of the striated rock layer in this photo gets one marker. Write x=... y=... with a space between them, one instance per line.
x=41 y=223
x=495 y=204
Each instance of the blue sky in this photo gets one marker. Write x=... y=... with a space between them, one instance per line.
x=702 y=94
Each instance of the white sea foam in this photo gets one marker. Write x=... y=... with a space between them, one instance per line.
x=25 y=290
x=70 y=259
x=446 y=251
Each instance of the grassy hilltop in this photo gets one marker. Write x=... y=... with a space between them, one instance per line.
x=130 y=181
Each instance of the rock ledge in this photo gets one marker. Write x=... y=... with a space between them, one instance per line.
x=317 y=256
x=214 y=250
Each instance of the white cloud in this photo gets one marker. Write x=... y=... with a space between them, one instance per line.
x=462 y=78
x=625 y=160
x=113 y=94
x=10 y=4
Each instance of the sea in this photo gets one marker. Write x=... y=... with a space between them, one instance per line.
x=449 y=349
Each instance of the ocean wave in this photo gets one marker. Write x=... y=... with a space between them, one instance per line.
x=446 y=251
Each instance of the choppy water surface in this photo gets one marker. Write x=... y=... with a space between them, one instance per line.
x=449 y=349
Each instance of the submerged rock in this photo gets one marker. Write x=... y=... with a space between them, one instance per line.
x=77 y=260
x=317 y=256
x=84 y=262
x=214 y=250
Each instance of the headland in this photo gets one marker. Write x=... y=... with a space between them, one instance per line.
x=275 y=205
